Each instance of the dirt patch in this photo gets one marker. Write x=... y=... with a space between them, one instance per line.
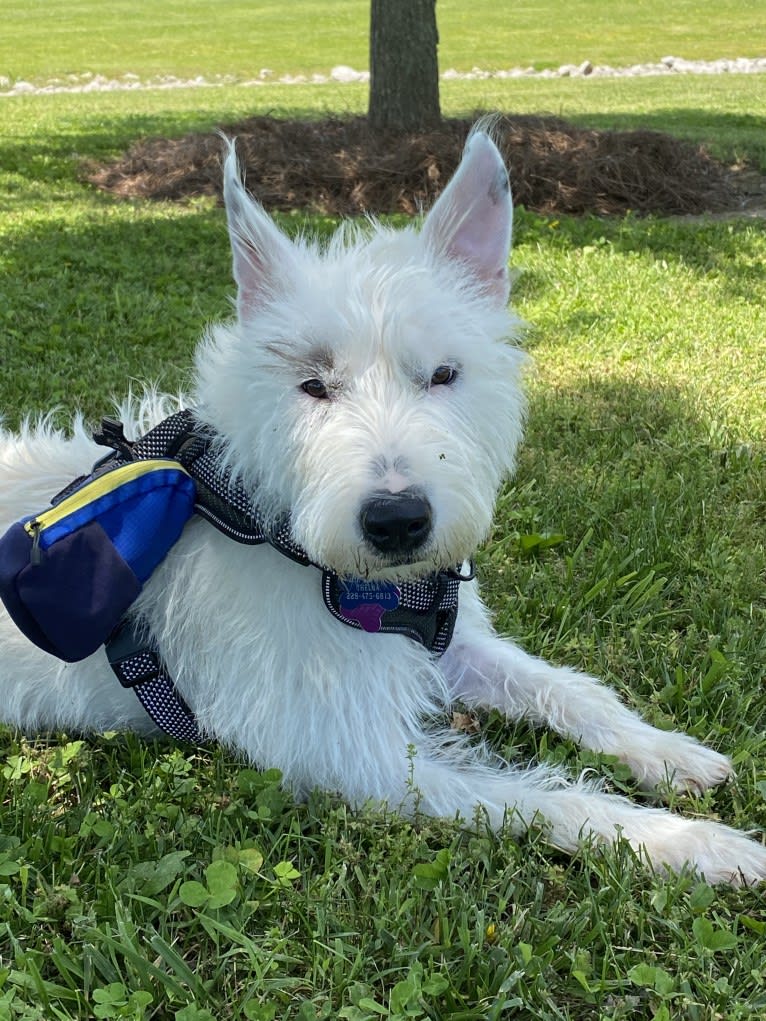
x=339 y=166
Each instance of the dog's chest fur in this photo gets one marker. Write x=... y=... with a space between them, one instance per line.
x=268 y=666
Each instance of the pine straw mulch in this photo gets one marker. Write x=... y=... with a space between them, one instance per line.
x=340 y=166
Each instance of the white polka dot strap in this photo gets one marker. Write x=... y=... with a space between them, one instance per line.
x=137 y=665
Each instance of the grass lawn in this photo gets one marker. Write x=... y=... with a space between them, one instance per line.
x=149 y=881
x=53 y=38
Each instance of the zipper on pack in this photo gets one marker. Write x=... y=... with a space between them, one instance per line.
x=92 y=491
x=33 y=527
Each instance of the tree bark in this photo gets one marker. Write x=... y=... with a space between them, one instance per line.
x=404 y=69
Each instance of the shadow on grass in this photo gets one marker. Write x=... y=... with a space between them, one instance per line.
x=90 y=308
x=731 y=251
x=659 y=556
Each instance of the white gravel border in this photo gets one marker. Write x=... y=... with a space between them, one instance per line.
x=342 y=74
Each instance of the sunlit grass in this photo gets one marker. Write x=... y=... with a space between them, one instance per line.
x=54 y=38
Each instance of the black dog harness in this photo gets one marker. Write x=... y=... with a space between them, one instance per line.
x=425 y=610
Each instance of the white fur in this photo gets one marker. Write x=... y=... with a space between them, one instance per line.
x=267 y=670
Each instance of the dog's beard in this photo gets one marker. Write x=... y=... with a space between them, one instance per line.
x=409 y=567
x=363 y=562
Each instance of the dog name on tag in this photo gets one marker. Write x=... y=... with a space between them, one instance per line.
x=367 y=601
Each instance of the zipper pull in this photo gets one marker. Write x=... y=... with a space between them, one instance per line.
x=35 y=555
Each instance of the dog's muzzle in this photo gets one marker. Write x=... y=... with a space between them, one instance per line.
x=396 y=523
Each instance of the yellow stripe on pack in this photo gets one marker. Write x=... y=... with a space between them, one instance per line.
x=91 y=491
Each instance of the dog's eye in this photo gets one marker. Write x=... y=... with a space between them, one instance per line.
x=444 y=375
x=315 y=388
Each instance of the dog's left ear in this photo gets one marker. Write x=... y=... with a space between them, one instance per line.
x=472 y=219
x=262 y=256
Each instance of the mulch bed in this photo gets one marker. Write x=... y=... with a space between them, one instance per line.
x=339 y=166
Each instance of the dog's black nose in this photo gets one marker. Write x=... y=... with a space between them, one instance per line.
x=396 y=522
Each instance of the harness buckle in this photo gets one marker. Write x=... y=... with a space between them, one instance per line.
x=113 y=435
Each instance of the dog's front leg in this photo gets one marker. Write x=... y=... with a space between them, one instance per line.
x=485 y=670
x=572 y=812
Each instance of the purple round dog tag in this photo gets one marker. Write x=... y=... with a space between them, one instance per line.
x=367 y=601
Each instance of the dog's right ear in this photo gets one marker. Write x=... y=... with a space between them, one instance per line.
x=262 y=255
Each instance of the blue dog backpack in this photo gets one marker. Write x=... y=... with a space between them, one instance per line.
x=69 y=573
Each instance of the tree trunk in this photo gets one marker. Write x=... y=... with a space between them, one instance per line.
x=404 y=70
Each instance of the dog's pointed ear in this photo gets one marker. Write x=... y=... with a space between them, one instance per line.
x=262 y=254
x=472 y=220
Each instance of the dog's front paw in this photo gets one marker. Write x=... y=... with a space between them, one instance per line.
x=662 y=758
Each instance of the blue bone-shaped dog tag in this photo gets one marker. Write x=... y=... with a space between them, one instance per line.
x=367 y=601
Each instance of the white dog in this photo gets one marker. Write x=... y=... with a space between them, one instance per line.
x=369 y=392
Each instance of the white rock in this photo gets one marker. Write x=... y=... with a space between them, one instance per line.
x=343 y=73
